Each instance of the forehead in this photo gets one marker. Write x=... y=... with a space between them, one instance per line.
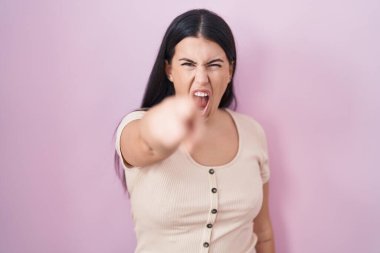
x=199 y=49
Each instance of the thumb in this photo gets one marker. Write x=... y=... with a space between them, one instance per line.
x=185 y=108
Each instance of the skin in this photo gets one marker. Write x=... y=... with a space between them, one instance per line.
x=263 y=226
x=198 y=64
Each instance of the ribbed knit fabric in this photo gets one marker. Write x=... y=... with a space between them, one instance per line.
x=179 y=205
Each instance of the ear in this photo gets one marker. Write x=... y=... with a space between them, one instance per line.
x=168 y=70
x=231 y=68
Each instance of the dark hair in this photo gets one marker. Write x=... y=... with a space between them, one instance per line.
x=193 y=23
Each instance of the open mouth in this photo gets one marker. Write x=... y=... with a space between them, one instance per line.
x=201 y=99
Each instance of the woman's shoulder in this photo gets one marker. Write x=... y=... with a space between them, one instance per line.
x=251 y=128
x=134 y=115
x=129 y=117
x=246 y=119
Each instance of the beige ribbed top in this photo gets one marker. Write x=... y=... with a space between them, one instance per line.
x=179 y=205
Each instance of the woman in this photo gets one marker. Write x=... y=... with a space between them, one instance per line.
x=197 y=172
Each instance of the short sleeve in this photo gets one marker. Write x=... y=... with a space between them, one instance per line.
x=127 y=119
x=264 y=159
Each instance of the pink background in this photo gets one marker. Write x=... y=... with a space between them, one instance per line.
x=69 y=70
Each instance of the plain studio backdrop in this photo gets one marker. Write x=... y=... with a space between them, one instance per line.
x=308 y=71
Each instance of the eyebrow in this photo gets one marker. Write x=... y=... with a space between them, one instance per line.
x=215 y=60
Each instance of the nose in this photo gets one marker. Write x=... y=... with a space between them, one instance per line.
x=201 y=75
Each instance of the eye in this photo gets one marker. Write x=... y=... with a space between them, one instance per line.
x=187 y=64
x=215 y=65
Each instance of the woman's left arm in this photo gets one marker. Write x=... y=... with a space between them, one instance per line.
x=263 y=226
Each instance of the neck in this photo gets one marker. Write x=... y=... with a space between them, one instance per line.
x=214 y=118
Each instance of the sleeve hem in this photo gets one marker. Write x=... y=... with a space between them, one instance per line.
x=127 y=119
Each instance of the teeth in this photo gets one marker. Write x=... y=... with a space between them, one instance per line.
x=200 y=94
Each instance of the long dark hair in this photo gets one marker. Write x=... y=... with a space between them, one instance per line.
x=193 y=23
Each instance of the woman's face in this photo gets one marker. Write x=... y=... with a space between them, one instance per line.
x=200 y=69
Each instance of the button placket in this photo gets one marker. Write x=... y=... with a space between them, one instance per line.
x=213 y=192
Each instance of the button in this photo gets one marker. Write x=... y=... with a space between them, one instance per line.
x=209 y=225
x=206 y=244
x=214 y=211
x=211 y=171
x=214 y=190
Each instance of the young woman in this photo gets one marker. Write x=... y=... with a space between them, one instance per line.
x=197 y=172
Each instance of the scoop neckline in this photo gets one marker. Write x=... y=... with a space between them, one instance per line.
x=233 y=160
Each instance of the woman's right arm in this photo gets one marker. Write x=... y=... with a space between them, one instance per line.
x=159 y=132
